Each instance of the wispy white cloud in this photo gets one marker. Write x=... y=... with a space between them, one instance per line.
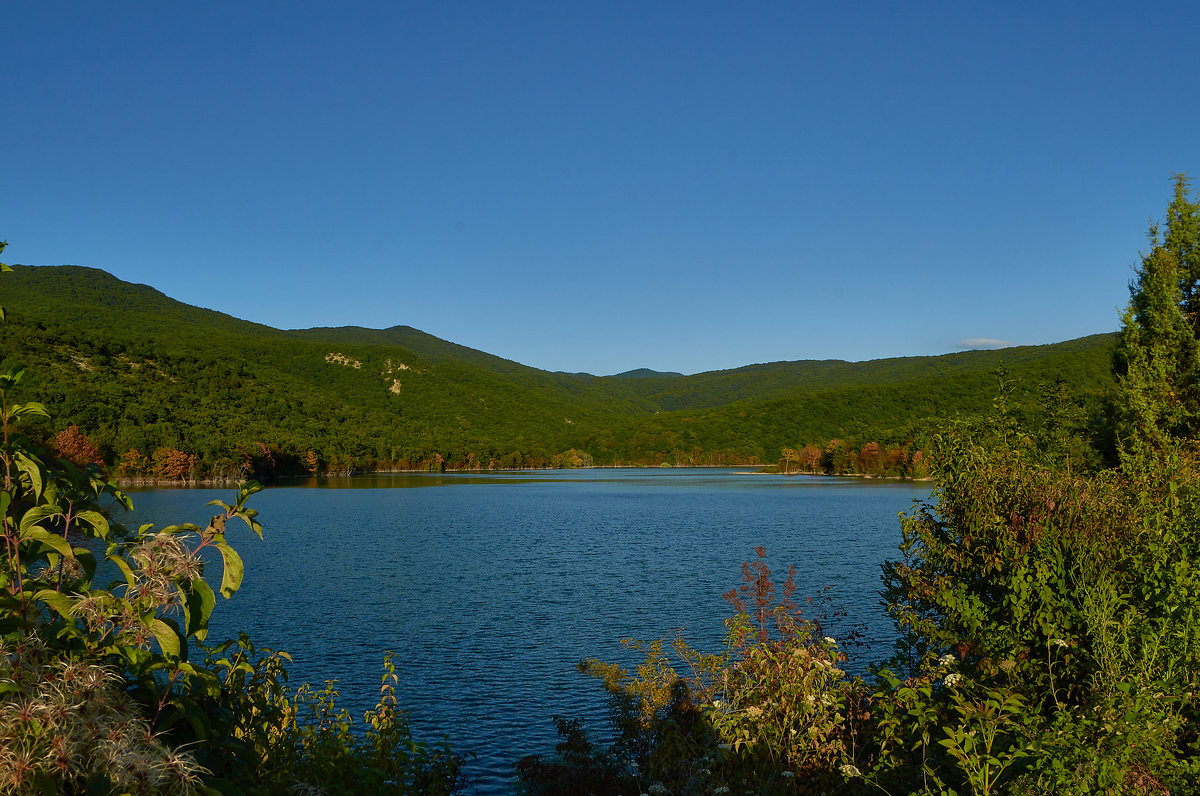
x=982 y=342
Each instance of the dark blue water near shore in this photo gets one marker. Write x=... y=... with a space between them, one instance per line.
x=490 y=588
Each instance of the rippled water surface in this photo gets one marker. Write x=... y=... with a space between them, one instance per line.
x=490 y=588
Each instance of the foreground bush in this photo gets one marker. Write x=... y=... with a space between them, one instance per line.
x=772 y=713
x=97 y=691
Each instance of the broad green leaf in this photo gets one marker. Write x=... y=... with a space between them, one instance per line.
x=199 y=606
x=56 y=600
x=95 y=519
x=33 y=470
x=168 y=637
x=10 y=379
x=28 y=408
x=137 y=657
x=124 y=567
x=37 y=514
x=119 y=496
x=40 y=534
x=186 y=668
x=248 y=515
x=86 y=559
x=231 y=580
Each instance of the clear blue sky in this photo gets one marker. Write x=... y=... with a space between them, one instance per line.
x=598 y=187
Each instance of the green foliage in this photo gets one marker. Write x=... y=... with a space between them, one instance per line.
x=771 y=714
x=98 y=694
x=317 y=748
x=1157 y=354
x=1065 y=599
x=1182 y=240
x=136 y=371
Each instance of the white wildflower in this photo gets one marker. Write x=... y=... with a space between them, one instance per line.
x=850 y=772
x=831 y=641
x=946 y=660
x=952 y=679
x=1058 y=642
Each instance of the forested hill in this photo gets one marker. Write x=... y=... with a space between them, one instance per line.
x=149 y=379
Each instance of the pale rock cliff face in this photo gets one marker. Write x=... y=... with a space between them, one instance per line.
x=390 y=367
x=342 y=359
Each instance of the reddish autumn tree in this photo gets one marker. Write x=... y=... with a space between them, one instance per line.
x=870 y=459
x=810 y=458
x=173 y=464
x=74 y=446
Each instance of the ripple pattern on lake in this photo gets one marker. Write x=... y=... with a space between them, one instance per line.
x=489 y=589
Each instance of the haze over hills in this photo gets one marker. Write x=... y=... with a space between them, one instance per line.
x=136 y=369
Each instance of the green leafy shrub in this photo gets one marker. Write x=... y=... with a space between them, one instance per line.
x=773 y=713
x=98 y=694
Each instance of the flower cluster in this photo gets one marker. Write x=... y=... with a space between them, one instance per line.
x=68 y=719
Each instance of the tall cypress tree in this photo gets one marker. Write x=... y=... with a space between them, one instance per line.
x=1182 y=239
x=1157 y=351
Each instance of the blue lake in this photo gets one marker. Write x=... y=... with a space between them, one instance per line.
x=490 y=588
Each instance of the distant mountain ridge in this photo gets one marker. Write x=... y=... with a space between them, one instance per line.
x=374 y=397
x=645 y=373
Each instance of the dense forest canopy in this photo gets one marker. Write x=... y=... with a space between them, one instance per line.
x=147 y=379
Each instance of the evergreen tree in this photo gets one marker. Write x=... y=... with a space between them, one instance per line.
x=1157 y=353
x=1182 y=239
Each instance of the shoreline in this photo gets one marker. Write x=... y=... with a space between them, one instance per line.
x=764 y=469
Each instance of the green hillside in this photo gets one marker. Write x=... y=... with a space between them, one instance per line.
x=135 y=369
